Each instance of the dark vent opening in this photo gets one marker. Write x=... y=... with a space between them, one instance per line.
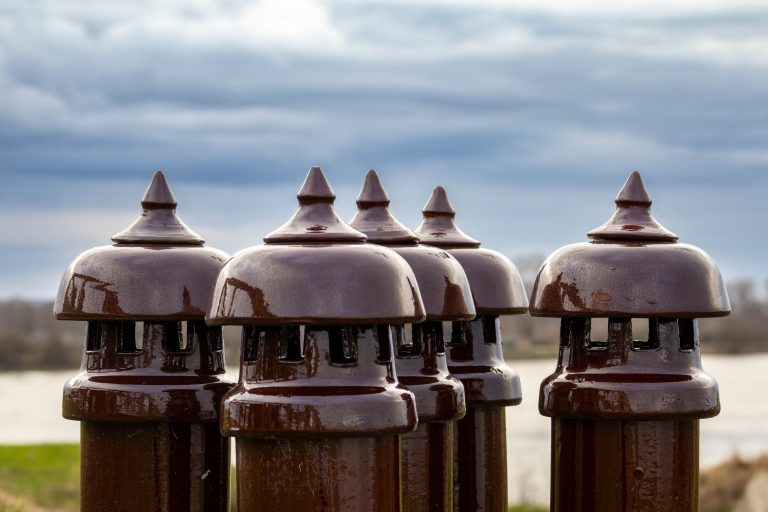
x=290 y=344
x=565 y=333
x=93 y=336
x=343 y=345
x=175 y=339
x=687 y=327
x=250 y=338
x=216 y=339
x=457 y=333
x=126 y=343
x=440 y=333
x=383 y=343
x=489 y=329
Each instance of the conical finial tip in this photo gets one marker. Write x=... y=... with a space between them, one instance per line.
x=158 y=192
x=634 y=190
x=439 y=202
x=316 y=186
x=372 y=191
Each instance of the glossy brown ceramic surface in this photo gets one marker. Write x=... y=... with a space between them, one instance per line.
x=159 y=466
x=625 y=411
x=157 y=269
x=427 y=467
x=319 y=474
x=320 y=390
x=611 y=375
x=475 y=357
x=632 y=466
x=480 y=461
x=632 y=267
x=153 y=373
x=420 y=359
x=319 y=272
x=497 y=288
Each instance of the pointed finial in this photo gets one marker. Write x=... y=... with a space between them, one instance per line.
x=632 y=219
x=439 y=203
x=316 y=188
x=372 y=193
x=438 y=227
x=633 y=191
x=158 y=223
x=374 y=218
x=158 y=193
x=316 y=220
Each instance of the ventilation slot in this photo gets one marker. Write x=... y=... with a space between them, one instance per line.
x=290 y=344
x=651 y=341
x=175 y=339
x=565 y=333
x=687 y=328
x=215 y=339
x=126 y=343
x=343 y=345
x=490 y=330
x=251 y=335
x=440 y=333
x=457 y=333
x=384 y=343
x=593 y=325
x=403 y=343
x=93 y=337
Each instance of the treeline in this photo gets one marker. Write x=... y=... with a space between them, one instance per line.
x=31 y=339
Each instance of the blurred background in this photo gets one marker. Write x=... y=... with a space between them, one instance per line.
x=530 y=114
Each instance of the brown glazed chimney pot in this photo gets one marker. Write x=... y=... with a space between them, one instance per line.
x=318 y=407
x=149 y=412
x=625 y=411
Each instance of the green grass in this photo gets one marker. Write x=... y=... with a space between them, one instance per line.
x=47 y=473
x=528 y=508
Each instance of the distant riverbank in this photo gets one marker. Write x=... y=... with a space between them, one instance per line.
x=31 y=339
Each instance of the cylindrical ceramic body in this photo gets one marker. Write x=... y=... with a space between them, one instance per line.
x=318 y=474
x=635 y=466
x=427 y=467
x=480 y=463
x=164 y=467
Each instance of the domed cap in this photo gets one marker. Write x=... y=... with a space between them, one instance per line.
x=158 y=269
x=442 y=282
x=633 y=267
x=316 y=269
x=374 y=218
x=497 y=288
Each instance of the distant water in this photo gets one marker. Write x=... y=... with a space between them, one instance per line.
x=30 y=412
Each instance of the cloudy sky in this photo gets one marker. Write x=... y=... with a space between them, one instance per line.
x=531 y=116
